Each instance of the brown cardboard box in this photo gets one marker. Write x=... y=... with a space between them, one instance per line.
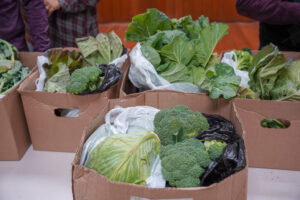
x=53 y=133
x=14 y=137
x=268 y=147
x=89 y=185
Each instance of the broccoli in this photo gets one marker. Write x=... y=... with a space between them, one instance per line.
x=178 y=123
x=183 y=163
x=214 y=148
x=84 y=79
x=244 y=59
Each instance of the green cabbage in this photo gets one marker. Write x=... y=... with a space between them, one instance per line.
x=125 y=157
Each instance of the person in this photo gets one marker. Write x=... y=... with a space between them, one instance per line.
x=71 y=19
x=279 y=21
x=13 y=28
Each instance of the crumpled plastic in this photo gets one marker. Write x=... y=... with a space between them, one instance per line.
x=143 y=75
x=233 y=158
x=126 y=121
x=228 y=59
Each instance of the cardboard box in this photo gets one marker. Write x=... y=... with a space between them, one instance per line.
x=54 y=133
x=14 y=137
x=87 y=184
x=269 y=147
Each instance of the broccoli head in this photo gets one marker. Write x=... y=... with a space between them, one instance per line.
x=84 y=79
x=183 y=163
x=178 y=123
x=244 y=59
x=214 y=148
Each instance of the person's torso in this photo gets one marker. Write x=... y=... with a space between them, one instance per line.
x=12 y=27
x=286 y=37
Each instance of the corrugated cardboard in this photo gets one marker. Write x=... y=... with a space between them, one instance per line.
x=50 y=132
x=14 y=137
x=87 y=184
x=268 y=147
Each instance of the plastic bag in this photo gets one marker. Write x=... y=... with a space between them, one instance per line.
x=143 y=75
x=228 y=59
x=233 y=158
x=127 y=120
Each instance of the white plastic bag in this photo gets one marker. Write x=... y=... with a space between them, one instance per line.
x=228 y=59
x=126 y=121
x=143 y=75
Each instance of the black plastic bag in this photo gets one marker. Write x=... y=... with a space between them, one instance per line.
x=111 y=74
x=233 y=158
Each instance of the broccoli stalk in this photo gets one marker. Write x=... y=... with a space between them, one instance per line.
x=84 y=79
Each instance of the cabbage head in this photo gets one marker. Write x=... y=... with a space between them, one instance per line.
x=125 y=157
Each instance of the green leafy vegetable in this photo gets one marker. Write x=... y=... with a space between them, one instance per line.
x=287 y=86
x=246 y=93
x=62 y=64
x=100 y=50
x=126 y=157
x=151 y=54
x=273 y=123
x=178 y=123
x=147 y=24
x=266 y=67
x=84 y=79
x=221 y=81
x=11 y=69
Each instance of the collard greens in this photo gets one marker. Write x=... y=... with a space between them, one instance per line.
x=11 y=69
x=181 y=50
x=126 y=157
x=100 y=50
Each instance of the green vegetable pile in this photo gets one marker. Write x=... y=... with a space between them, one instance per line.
x=11 y=69
x=181 y=50
x=77 y=72
x=183 y=157
x=272 y=77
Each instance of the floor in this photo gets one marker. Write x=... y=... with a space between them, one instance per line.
x=241 y=35
x=47 y=175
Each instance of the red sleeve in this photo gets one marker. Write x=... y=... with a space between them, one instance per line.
x=270 y=11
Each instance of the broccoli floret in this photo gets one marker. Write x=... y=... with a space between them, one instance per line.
x=214 y=148
x=183 y=163
x=244 y=59
x=84 y=79
x=178 y=123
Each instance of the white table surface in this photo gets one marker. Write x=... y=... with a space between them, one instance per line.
x=42 y=175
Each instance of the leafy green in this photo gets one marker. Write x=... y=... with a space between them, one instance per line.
x=151 y=54
x=125 y=157
x=273 y=123
x=147 y=24
x=221 y=81
x=100 y=50
x=175 y=73
x=266 y=67
x=287 y=86
x=11 y=69
x=179 y=51
x=61 y=64
x=246 y=93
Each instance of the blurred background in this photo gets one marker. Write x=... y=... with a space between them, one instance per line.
x=243 y=32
